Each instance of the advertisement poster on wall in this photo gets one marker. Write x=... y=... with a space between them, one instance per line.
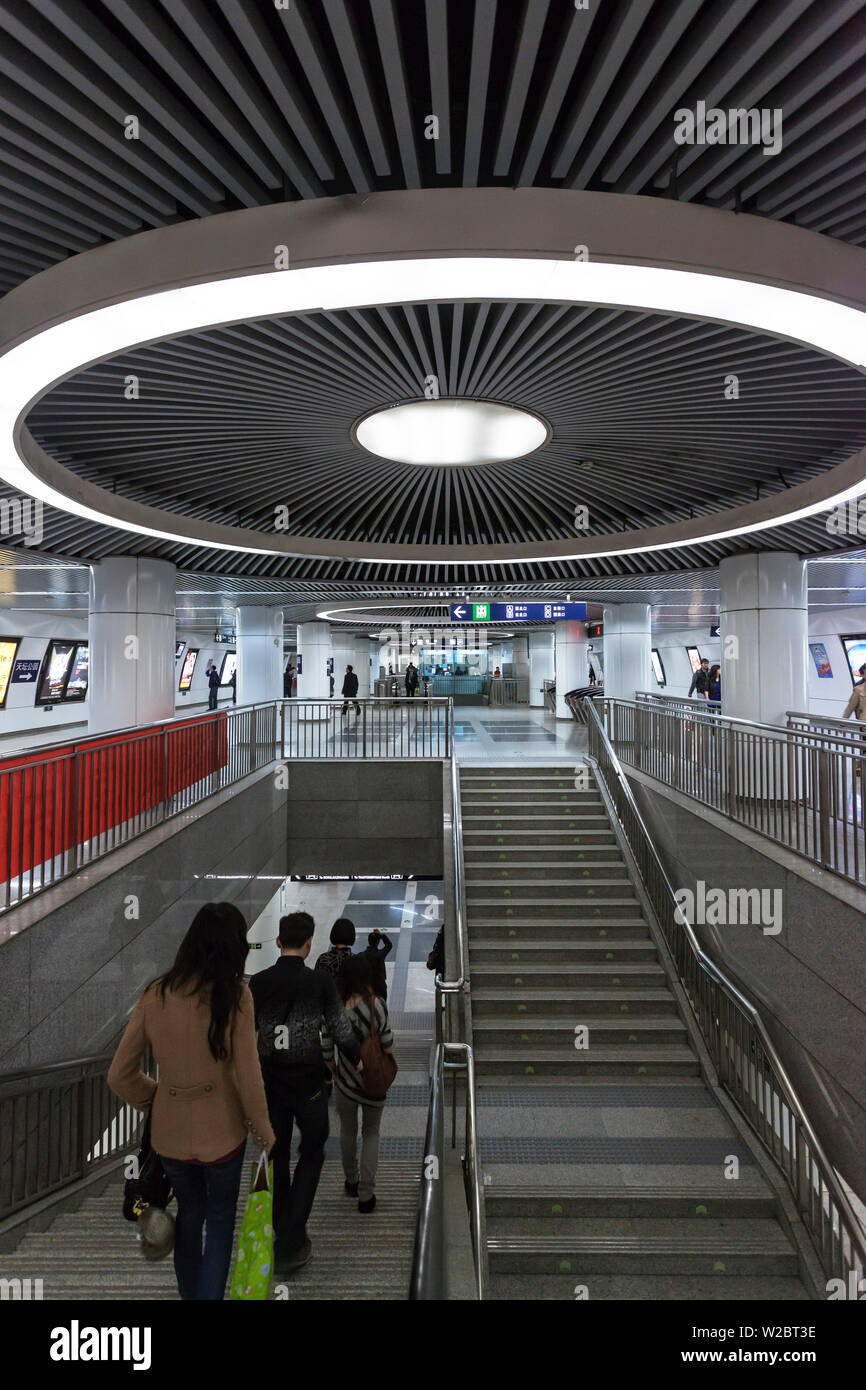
x=8 y=648
x=76 y=686
x=187 y=669
x=821 y=660
x=55 y=669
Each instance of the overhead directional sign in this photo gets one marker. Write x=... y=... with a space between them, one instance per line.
x=515 y=612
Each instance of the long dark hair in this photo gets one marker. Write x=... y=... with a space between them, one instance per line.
x=211 y=959
x=354 y=976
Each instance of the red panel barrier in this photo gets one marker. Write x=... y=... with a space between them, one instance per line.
x=55 y=797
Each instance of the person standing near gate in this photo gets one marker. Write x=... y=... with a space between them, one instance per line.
x=349 y=691
x=213 y=683
x=411 y=681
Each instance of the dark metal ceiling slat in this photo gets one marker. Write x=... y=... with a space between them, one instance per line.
x=393 y=64
x=344 y=28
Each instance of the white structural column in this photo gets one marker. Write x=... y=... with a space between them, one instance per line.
x=764 y=631
x=541 y=655
x=360 y=660
x=260 y=654
x=314 y=648
x=132 y=642
x=571 y=662
x=627 y=648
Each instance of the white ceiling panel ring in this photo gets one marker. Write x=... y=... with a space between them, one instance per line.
x=400 y=249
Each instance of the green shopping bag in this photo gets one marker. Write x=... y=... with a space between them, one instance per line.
x=254 y=1264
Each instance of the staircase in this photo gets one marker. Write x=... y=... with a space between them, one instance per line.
x=93 y=1254
x=604 y=1150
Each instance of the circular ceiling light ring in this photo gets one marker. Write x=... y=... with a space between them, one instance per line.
x=399 y=248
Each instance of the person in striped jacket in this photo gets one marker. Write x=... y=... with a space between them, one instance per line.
x=355 y=985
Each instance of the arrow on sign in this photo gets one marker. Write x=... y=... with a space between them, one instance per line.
x=459 y=612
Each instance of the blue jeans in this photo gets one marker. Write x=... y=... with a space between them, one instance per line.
x=207 y=1195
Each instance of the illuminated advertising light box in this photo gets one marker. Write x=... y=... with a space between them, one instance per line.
x=694 y=658
x=658 y=666
x=179 y=650
x=855 y=650
x=76 y=685
x=55 y=670
x=8 y=649
x=187 y=669
x=228 y=668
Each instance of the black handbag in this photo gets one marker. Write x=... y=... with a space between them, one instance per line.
x=152 y=1187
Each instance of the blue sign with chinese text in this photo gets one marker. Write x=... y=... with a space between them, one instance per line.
x=516 y=612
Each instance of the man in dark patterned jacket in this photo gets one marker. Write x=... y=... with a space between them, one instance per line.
x=291 y=1005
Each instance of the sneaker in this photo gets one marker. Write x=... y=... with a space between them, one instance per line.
x=287 y=1264
x=369 y=1205
x=351 y=1189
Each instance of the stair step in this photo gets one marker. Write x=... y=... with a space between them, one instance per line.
x=579 y=927
x=560 y=820
x=577 y=890
x=726 y=1248
x=525 y=777
x=541 y=856
x=636 y=1059
x=553 y=1204
x=565 y=981
x=530 y=1003
x=539 y=839
x=569 y=954
x=612 y=905
x=646 y=1288
x=526 y=1032
x=534 y=802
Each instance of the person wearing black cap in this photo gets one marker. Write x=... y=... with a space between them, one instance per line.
x=342 y=941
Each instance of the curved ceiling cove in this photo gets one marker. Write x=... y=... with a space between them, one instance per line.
x=786 y=284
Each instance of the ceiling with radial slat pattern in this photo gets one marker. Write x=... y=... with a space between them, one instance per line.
x=119 y=116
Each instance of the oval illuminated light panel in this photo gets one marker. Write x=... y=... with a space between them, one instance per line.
x=28 y=370
x=456 y=433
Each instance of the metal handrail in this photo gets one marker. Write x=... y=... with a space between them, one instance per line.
x=363 y=727
x=824 y=726
x=461 y=983
x=76 y=803
x=430 y=1212
x=62 y=1123
x=808 y=1163
x=427 y=1280
x=52 y=1068
x=662 y=697
x=207 y=716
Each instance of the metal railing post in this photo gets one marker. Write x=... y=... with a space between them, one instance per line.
x=824 y=807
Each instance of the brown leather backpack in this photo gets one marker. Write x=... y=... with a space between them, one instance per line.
x=380 y=1067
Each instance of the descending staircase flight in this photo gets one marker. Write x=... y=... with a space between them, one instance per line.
x=604 y=1165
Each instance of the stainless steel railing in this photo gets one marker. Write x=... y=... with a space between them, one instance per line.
x=60 y=809
x=742 y=1051
x=658 y=697
x=800 y=787
x=507 y=690
x=429 y=1264
x=417 y=728
x=60 y=1123
x=429 y=1237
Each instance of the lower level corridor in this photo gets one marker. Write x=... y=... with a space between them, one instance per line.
x=613 y=1168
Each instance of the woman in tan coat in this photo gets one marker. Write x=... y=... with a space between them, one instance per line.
x=199 y=1021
